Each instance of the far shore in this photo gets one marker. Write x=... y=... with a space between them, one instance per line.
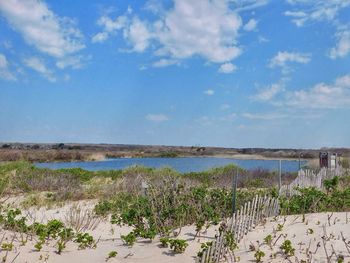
x=70 y=152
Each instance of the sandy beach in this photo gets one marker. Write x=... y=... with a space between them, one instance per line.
x=305 y=233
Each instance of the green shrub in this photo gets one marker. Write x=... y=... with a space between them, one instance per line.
x=129 y=239
x=287 y=248
x=178 y=245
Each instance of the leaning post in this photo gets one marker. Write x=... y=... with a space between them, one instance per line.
x=234 y=190
x=280 y=175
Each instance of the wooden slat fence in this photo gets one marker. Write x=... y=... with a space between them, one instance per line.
x=310 y=178
x=252 y=213
x=244 y=220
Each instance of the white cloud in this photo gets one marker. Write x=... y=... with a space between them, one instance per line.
x=315 y=10
x=262 y=39
x=40 y=27
x=251 y=25
x=138 y=35
x=100 y=37
x=209 y=92
x=322 y=95
x=109 y=27
x=164 y=62
x=39 y=66
x=282 y=59
x=5 y=73
x=204 y=28
x=320 y=10
x=268 y=93
x=264 y=116
x=227 y=68
x=342 y=49
x=157 y=117
x=248 y=5
x=74 y=62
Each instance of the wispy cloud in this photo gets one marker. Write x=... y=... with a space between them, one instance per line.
x=264 y=116
x=250 y=25
x=157 y=117
x=209 y=92
x=248 y=5
x=322 y=95
x=5 y=72
x=305 y=11
x=283 y=59
x=342 y=48
x=268 y=93
x=227 y=68
x=38 y=65
x=164 y=63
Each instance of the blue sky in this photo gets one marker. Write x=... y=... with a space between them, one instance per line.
x=234 y=73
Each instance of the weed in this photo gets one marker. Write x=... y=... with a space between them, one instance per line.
x=259 y=255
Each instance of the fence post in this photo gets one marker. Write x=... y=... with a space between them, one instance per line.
x=280 y=176
x=234 y=190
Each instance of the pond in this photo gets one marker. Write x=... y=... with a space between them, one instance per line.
x=183 y=165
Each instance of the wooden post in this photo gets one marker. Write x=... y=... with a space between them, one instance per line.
x=280 y=176
x=234 y=190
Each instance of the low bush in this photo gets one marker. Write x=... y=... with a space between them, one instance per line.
x=312 y=200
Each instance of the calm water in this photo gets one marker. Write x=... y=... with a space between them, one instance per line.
x=188 y=164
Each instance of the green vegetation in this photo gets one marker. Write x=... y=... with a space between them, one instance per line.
x=345 y=163
x=111 y=254
x=287 y=248
x=259 y=255
x=13 y=220
x=312 y=200
x=169 y=206
x=154 y=202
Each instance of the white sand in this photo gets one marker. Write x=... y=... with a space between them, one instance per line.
x=146 y=251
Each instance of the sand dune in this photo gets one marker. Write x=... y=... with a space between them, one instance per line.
x=294 y=229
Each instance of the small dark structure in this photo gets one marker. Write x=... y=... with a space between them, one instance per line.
x=328 y=160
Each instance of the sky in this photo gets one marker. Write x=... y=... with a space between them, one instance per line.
x=230 y=73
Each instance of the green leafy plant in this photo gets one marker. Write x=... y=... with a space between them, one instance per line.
x=331 y=184
x=259 y=255
x=164 y=241
x=129 y=239
x=279 y=227
x=268 y=240
x=84 y=240
x=230 y=241
x=287 y=248
x=7 y=246
x=204 y=247
x=111 y=254
x=178 y=245
x=38 y=245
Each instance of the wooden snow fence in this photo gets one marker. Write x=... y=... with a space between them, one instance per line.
x=305 y=178
x=244 y=220
x=309 y=178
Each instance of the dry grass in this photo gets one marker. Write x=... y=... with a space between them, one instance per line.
x=81 y=219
